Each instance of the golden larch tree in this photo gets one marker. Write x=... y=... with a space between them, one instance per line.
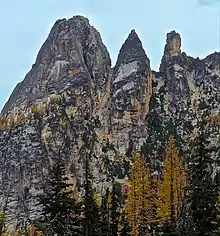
x=138 y=206
x=172 y=184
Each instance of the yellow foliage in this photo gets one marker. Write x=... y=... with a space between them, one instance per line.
x=63 y=123
x=103 y=135
x=6 y=122
x=72 y=110
x=3 y=123
x=2 y=224
x=139 y=205
x=39 y=233
x=29 y=231
x=127 y=115
x=20 y=118
x=55 y=99
x=172 y=184
x=11 y=121
x=98 y=198
x=37 y=110
x=215 y=119
x=2 y=216
x=34 y=108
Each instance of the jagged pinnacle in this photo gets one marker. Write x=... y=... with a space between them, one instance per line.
x=131 y=50
x=173 y=44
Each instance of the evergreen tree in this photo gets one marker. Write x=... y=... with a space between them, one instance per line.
x=203 y=191
x=105 y=215
x=91 y=222
x=124 y=229
x=114 y=211
x=60 y=211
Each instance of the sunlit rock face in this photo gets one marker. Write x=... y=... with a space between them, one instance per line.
x=72 y=95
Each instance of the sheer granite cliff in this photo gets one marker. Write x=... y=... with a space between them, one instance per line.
x=72 y=93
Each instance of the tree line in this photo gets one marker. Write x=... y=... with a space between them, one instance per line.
x=181 y=199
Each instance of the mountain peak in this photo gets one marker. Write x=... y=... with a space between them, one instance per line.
x=73 y=23
x=172 y=48
x=132 y=35
x=173 y=44
x=131 y=50
x=72 y=45
x=71 y=96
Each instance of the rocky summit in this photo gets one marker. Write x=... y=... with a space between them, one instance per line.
x=72 y=93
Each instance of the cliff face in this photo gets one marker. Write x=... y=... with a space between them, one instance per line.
x=185 y=90
x=72 y=56
x=72 y=92
x=131 y=80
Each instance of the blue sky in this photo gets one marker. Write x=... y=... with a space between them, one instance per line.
x=25 y=25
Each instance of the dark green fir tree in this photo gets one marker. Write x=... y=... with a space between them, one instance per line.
x=202 y=192
x=124 y=229
x=105 y=214
x=114 y=211
x=60 y=210
x=91 y=222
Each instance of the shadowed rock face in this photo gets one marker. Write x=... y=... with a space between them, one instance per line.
x=124 y=108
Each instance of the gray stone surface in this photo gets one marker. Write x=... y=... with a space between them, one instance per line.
x=128 y=106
